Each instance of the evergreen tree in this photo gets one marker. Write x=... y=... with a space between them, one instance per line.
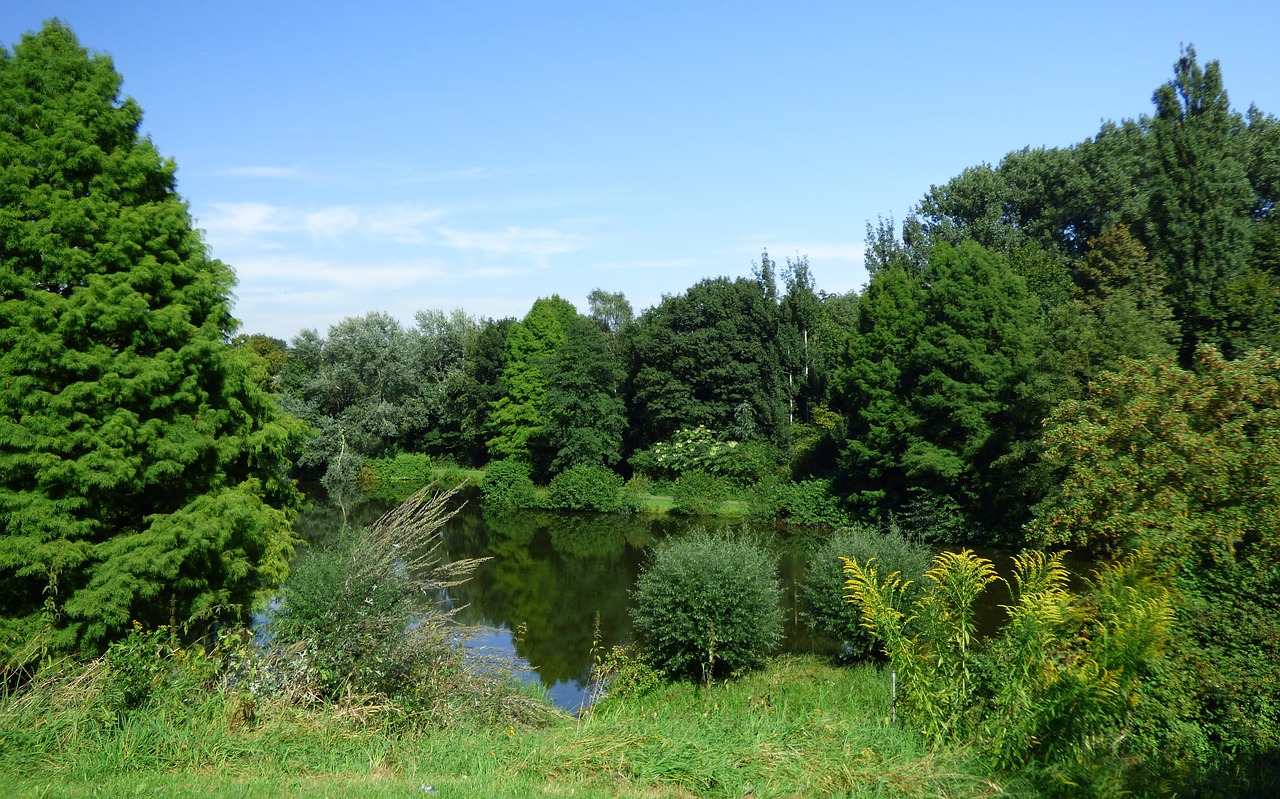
x=521 y=410
x=141 y=472
x=941 y=385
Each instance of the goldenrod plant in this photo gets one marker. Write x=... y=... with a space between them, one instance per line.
x=1056 y=688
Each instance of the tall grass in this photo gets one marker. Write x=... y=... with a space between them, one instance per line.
x=797 y=728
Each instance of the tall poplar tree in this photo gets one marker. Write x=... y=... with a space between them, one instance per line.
x=141 y=471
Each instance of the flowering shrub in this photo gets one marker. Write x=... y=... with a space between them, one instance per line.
x=697 y=449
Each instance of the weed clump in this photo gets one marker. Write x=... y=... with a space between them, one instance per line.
x=371 y=614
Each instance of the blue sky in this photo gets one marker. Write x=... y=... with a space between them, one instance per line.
x=396 y=156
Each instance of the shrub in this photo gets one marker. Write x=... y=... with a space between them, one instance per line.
x=395 y=478
x=506 y=485
x=586 y=488
x=697 y=449
x=619 y=675
x=748 y=463
x=810 y=503
x=823 y=596
x=698 y=494
x=707 y=607
x=1060 y=686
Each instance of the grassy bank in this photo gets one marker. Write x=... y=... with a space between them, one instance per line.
x=798 y=728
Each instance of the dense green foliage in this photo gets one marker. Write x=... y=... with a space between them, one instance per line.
x=141 y=461
x=940 y=384
x=823 y=596
x=1057 y=689
x=698 y=494
x=707 y=606
x=1186 y=465
x=586 y=488
x=395 y=479
x=1079 y=337
x=507 y=485
x=807 y=503
x=707 y=358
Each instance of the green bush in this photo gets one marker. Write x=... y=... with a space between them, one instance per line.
x=586 y=488
x=507 y=485
x=697 y=449
x=823 y=595
x=708 y=606
x=810 y=503
x=135 y=665
x=618 y=675
x=698 y=494
x=395 y=478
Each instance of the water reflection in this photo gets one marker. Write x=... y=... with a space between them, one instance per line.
x=557 y=586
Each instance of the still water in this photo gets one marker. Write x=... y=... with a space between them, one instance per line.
x=557 y=587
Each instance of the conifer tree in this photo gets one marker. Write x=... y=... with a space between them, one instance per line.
x=141 y=471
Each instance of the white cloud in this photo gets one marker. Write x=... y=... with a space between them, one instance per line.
x=270 y=272
x=832 y=251
x=242 y=220
x=514 y=240
x=329 y=223
x=232 y=223
x=402 y=224
x=283 y=172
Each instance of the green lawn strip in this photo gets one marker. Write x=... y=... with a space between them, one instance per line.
x=660 y=504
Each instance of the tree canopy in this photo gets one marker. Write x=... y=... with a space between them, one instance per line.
x=141 y=472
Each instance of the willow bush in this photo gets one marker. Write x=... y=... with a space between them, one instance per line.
x=708 y=606
x=822 y=594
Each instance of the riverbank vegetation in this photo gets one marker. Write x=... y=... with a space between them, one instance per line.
x=1072 y=348
x=797 y=728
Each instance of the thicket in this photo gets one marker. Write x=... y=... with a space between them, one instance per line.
x=697 y=493
x=806 y=503
x=708 y=606
x=507 y=485
x=395 y=478
x=1185 y=464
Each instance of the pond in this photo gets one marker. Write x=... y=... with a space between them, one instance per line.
x=557 y=587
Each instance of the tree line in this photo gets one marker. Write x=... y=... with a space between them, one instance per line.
x=1006 y=292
